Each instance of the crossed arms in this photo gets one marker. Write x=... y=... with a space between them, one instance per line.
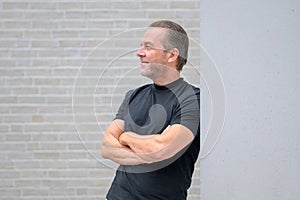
x=129 y=148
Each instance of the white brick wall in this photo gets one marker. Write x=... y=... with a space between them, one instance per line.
x=43 y=47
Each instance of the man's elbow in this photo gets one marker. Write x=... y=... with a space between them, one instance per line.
x=104 y=153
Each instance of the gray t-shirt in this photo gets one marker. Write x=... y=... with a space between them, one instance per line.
x=149 y=109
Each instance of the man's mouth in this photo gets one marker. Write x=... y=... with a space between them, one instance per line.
x=143 y=62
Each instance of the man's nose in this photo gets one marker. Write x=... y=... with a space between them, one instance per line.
x=140 y=52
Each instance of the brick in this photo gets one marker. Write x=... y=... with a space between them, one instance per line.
x=59 y=100
x=4 y=109
x=70 y=43
x=77 y=14
x=98 y=25
x=37 y=118
x=17 y=25
x=64 y=71
x=34 y=192
x=31 y=99
x=44 y=44
x=22 y=44
x=14 y=5
x=7 y=44
x=70 y=173
x=6 y=164
x=55 y=91
x=33 y=146
x=11 y=192
x=42 y=6
x=70 y=6
x=17 y=137
x=161 y=14
x=4 y=128
x=7 y=62
x=58 y=164
x=81 y=191
x=25 y=91
x=50 y=25
x=5 y=53
x=189 y=5
x=37 y=34
x=19 y=155
x=59 y=118
x=10 y=34
x=60 y=193
x=187 y=14
x=19 y=81
x=23 y=62
x=9 y=174
x=23 y=109
x=52 y=109
x=16 y=119
x=53 y=146
x=51 y=52
x=33 y=174
x=27 y=164
x=42 y=15
x=6 y=184
x=126 y=5
x=65 y=34
x=101 y=173
x=16 y=128
x=74 y=155
x=13 y=147
x=156 y=4
x=73 y=24
x=98 y=6
x=43 y=81
x=46 y=155
x=38 y=72
x=9 y=72
x=105 y=14
x=63 y=128
x=94 y=34
x=83 y=164
x=8 y=15
x=5 y=91
x=75 y=146
x=39 y=62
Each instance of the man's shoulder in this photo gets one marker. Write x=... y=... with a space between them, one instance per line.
x=135 y=91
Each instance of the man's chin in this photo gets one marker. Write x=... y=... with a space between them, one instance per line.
x=145 y=73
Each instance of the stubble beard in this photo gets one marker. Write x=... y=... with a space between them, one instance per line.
x=152 y=71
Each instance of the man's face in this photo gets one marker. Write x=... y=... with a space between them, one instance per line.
x=152 y=54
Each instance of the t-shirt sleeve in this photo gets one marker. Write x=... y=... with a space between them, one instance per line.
x=187 y=111
x=124 y=106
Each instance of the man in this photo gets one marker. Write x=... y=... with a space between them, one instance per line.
x=155 y=135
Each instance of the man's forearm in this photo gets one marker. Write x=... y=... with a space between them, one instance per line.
x=140 y=143
x=157 y=147
x=120 y=154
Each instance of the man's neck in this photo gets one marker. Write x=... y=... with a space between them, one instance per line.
x=165 y=80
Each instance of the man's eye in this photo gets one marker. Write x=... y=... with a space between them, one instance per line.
x=148 y=47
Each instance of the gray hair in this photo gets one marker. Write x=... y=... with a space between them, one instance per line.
x=176 y=37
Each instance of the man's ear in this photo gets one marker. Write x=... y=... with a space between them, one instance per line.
x=174 y=54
